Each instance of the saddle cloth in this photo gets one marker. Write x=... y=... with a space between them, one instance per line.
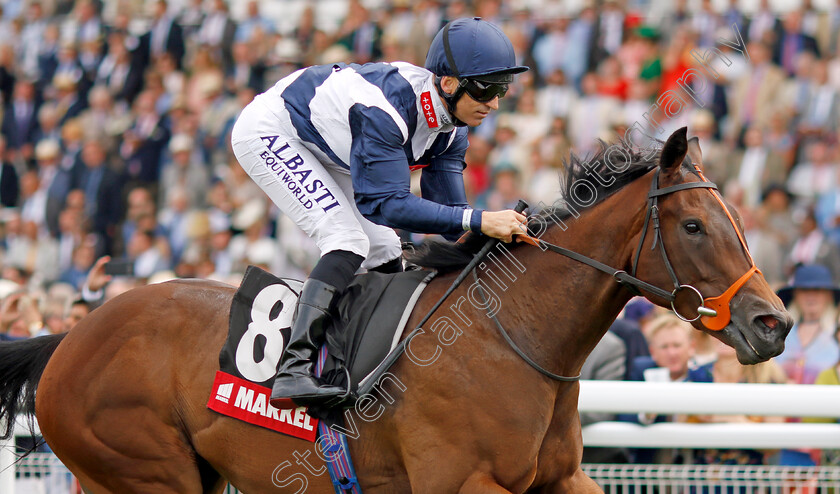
x=368 y=320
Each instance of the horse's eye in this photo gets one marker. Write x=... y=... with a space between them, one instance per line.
x=692 y=227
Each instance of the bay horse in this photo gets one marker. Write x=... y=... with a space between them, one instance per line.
x=121 y=398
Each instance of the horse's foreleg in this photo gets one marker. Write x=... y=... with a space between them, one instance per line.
x=482 y=483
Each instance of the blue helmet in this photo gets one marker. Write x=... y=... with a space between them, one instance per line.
x=471 y=47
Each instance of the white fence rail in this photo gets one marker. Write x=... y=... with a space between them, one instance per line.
x=42 y=473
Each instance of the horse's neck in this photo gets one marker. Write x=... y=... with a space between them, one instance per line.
x=566 y=306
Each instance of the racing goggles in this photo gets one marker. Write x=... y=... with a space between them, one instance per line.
x=483 y=91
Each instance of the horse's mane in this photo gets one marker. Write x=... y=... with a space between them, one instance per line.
x=626 y=166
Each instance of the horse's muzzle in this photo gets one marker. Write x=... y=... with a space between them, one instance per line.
x=758 y=336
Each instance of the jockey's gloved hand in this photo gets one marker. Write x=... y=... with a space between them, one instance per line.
x=502 y=224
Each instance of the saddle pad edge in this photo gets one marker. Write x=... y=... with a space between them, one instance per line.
x=409 y=307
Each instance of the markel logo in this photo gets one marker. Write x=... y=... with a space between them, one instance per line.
x=224 y=392
x=250 y=404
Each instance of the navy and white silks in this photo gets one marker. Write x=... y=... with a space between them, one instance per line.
x=332 y=146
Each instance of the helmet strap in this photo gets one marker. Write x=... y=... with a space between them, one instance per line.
x=451 y=100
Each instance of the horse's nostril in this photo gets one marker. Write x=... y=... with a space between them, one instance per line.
x=769 y=321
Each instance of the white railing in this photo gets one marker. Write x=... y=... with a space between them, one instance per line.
x=790 y=400
x=636 y=397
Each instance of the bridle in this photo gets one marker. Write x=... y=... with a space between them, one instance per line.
x=713 y=312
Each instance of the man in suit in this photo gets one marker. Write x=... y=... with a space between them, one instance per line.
x=144 y=142
x=120 y=71
x=756 y=167
x=247 y=71
x=102 y=191
x=164 y=36
x=53 y=182
x=792 y=42
x=218 y=31
x=755 y=93
x=20 y=119
x=9 y=185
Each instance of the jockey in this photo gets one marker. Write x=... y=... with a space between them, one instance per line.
x=333 y=145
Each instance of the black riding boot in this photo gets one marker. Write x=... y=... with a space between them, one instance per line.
x=295 y=380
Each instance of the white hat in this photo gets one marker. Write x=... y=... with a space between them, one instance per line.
x=47 y=149
x=180 y=142
x=250 y=212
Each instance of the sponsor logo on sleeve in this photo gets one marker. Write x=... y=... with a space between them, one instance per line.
x=428 y=110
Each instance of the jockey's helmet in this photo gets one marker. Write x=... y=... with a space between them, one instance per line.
x=478 y=54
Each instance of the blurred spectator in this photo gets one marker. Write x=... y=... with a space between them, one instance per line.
x=9 y=184
x=671 y=351
x=54 y=184
x=250 y=245
x=765 y=248
x=217 y=32
x=164 y=36
x=792 y=42
x=48 y=123
x=814 y=177
x=810 y=347
x=359 y=34
x=253 y=22
x=34 y=252
x=813 y=247
x=146 y=254
x=84 y=25
x=605 y=363
x=185 y=170
x=32 y=39
x=727 y=369
x=101 y=189
x=592 y=114
x=84 y=255
x=144 y=142
x=820 y=115
x=20 y=119
x=102 y=121
x=505 y=190
x=71 y=233
x=119 y=72
x=757 y=166
x=248 y=71
x=755 y=94
x=79 y=308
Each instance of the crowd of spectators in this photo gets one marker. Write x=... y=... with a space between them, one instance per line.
x=116 y=117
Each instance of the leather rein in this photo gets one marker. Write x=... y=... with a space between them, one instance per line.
x=713 y=312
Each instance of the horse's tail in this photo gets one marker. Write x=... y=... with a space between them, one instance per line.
x=21 y=365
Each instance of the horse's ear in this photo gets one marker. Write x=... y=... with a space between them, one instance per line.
x=673 y=153
x=694 y=153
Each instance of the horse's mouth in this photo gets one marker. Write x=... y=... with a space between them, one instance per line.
x=762 y=340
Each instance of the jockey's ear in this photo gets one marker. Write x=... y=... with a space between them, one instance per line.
x=694 y=153
x=673 y=153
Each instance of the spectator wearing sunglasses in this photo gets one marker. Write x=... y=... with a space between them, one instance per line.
x=333 y=146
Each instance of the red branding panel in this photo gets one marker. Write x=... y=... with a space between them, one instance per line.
x=247 y=401
x=428 y=109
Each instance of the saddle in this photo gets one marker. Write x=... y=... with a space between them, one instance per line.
x=368 y=321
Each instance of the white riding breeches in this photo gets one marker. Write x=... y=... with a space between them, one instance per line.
x=313 y=192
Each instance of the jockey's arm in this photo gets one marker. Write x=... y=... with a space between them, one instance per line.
x=382 y=193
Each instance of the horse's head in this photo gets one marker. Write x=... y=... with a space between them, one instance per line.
x=721 y=292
